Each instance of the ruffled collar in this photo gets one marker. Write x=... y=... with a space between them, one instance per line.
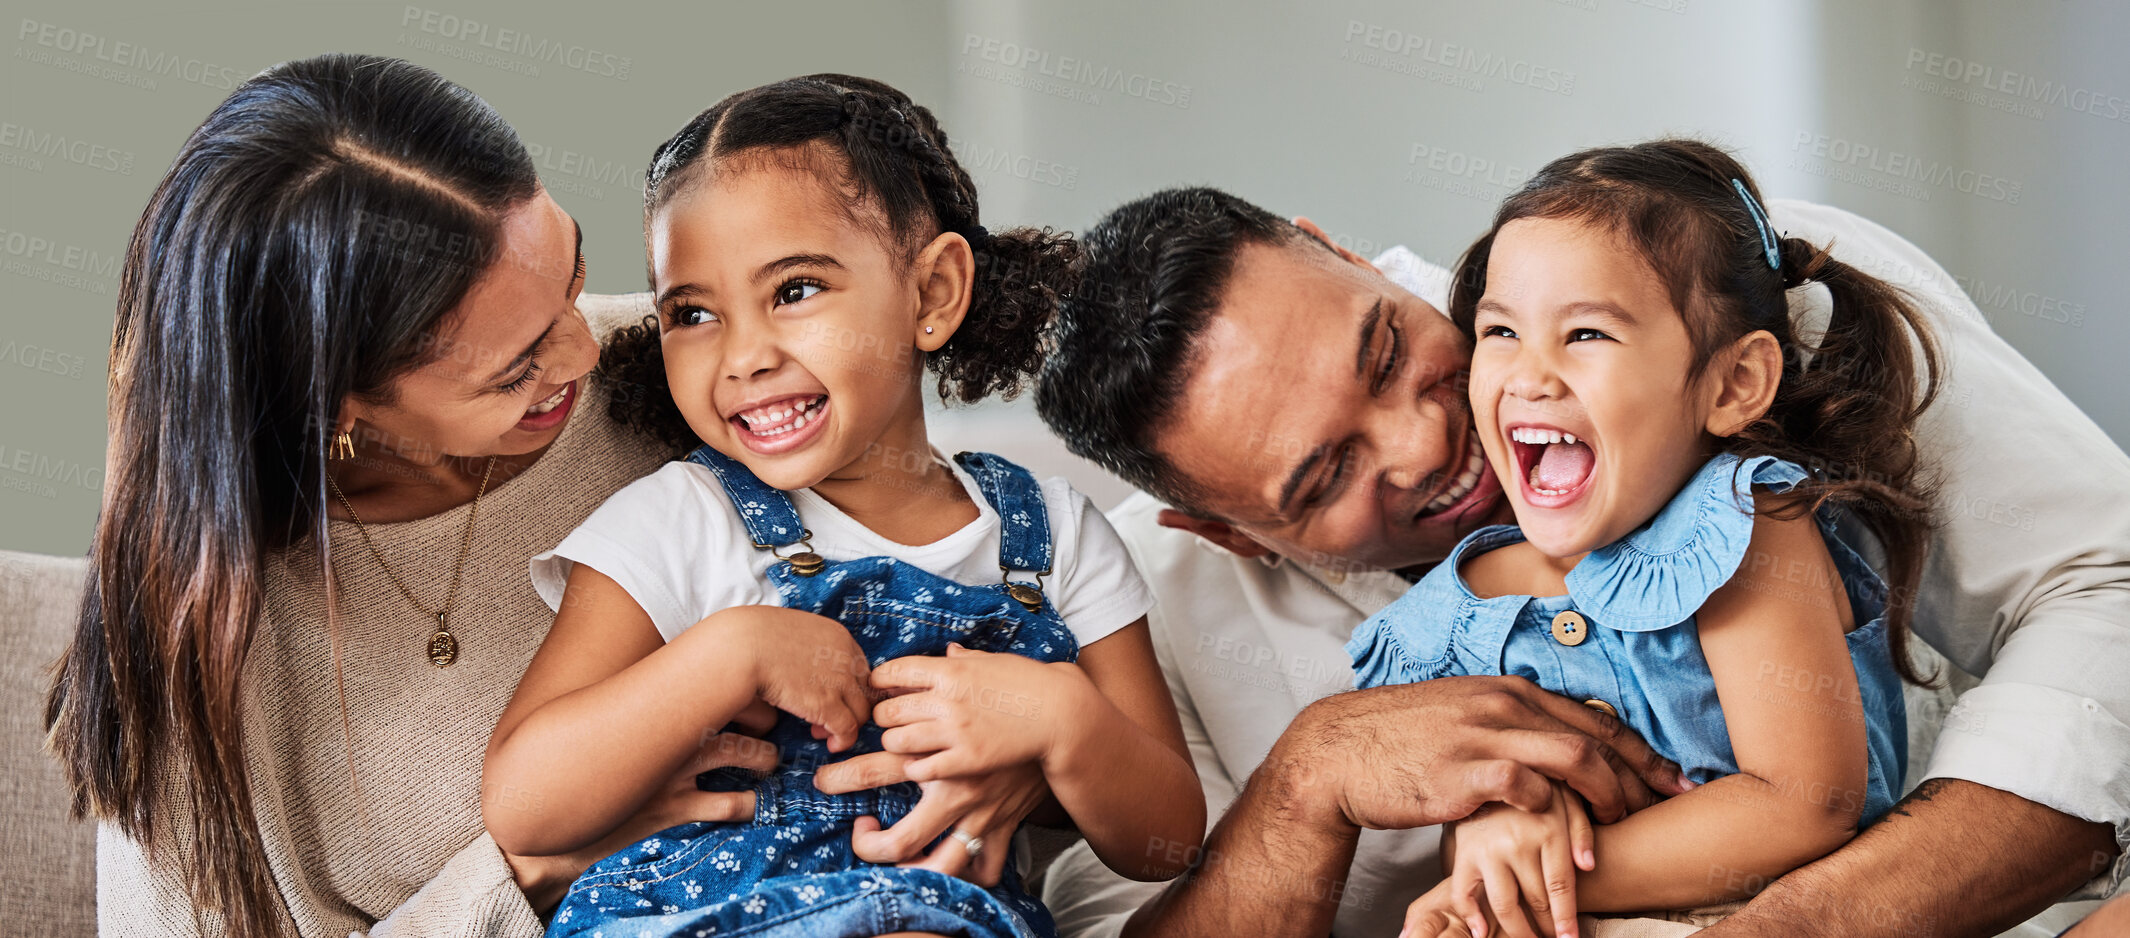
x=1661 y=573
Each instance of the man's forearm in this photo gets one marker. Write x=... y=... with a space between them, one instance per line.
x=1275 y=865
x=1954 y=859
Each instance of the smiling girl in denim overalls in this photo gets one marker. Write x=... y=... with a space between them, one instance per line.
x=814 y=247
x=1692 y=479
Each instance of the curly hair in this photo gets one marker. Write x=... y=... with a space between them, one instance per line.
x=896 y=159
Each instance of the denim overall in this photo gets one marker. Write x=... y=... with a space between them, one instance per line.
x=791 y=871
x=1624 y=639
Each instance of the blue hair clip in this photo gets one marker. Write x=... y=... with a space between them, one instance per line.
x=1768 y=241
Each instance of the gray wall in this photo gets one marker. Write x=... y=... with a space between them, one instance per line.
x=1380 y=120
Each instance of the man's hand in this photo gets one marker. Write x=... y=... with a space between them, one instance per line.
x=1401 y=757
x=1416 y=755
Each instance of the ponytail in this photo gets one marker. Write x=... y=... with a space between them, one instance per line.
x=1846 y=409
x=1847 y=402
x=1021 y=276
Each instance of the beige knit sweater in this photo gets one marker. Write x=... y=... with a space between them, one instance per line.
x=398 y=850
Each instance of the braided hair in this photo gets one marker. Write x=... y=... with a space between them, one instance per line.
x=896 y=161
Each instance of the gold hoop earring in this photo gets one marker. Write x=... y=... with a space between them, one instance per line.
x=343 y=447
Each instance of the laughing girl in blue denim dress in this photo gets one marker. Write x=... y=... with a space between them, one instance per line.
x=1694 y=484
x=814 y=247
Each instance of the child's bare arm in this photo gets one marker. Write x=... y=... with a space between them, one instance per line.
x=608 y=712
x=1774 y=640
x=1132 y=794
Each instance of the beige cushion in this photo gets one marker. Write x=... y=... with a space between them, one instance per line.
x=47 y=861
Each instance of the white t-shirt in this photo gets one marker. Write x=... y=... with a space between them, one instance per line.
x=673 y=540
x=2028 y=585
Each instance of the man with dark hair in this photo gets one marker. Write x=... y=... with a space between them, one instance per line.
x=1297 y=418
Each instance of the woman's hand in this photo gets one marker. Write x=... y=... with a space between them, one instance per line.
x=974 y=712
x=803 y=664
x=546 y=879
x=1510 y=860
x=987 y=805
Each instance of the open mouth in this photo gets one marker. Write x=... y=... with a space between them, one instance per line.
x=551 y=411
x=781 y=425
x=1553 y=466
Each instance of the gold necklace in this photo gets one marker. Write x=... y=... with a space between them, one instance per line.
x=443 y=646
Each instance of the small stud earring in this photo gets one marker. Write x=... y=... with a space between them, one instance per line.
x=928 y=330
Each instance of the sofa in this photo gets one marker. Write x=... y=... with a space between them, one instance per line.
x=48 y=860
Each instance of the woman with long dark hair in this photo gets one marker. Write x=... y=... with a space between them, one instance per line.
x=343 y=376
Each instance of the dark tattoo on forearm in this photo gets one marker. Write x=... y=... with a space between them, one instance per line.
x=1924 y=792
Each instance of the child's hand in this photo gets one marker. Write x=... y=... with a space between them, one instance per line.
x=803 y=664
x=973 y=711
x=1513 y=859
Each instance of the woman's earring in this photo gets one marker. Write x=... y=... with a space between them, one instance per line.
x=928 y=330
x=343 y=447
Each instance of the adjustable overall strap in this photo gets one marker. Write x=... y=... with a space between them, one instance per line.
x=1023 y=521
x=767 y=512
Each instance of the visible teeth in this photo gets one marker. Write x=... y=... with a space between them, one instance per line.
x=1536 y=436
x=549 y=404
x=782 y=420
x=1475 y=463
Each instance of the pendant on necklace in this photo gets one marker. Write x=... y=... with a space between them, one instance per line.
x=443 y=646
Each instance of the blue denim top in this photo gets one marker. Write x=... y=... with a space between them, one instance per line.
x=1641 y=653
